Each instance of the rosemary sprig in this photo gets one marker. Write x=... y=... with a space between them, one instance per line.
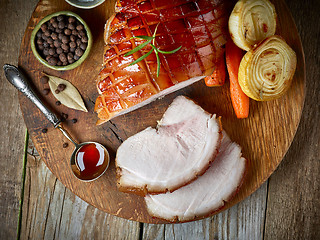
x=151 y=41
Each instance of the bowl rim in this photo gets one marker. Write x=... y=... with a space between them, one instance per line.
x=85 y=7
x=43 y=61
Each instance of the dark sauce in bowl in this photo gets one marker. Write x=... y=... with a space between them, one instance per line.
x=91 y=160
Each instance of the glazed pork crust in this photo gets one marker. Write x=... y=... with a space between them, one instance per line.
x=198 y=26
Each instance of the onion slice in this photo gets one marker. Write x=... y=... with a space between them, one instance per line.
x=266 y=71
x=251 y=21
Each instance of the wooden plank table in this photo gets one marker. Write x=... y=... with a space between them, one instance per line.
x=35 y=205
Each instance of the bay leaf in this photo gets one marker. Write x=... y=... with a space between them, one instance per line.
x=70 y=96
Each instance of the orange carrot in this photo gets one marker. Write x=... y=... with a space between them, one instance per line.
x=218 y=77
x=240 y=101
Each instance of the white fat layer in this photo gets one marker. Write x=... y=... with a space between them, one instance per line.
x=207 y=193
x=160 y=94
x=172 y=155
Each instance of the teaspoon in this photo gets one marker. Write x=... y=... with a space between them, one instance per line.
x=89 y=160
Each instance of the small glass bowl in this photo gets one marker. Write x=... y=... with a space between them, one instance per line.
x=85 y=4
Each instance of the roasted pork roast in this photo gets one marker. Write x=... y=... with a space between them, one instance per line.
x=181 y=149
x=198 y=26
x=206 y=194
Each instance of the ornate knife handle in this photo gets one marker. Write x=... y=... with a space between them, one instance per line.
x=17 y=79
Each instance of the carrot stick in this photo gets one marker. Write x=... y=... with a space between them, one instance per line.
x=240 y=101
x=218 y=77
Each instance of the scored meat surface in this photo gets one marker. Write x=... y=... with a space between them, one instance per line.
x=158 y=160
x=198 y=26
x=206 y=194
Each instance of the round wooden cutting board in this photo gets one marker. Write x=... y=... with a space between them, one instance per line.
x=265 y=136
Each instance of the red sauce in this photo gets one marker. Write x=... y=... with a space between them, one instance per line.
x=91 y=161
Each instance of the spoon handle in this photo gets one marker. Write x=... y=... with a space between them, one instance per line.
x=17 y=79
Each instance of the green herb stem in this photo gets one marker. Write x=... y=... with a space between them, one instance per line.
x=154 y=48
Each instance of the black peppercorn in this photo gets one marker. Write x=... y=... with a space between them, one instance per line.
x=55 y=24
x=59 y=50
x=84 y=39
x=79 y=27
x=46 y=91
x=39 y=41
x=67 y=32
x=73 y=38
x=58 y=30
x=69 y=56
x=65 y=39
x=54 y=36
x=71 y=26
x=73 y=45
x=71 y=19
x=75 y=32
x=43 y=36
x=45 y=44
x=48 y=57
x=60 y=18
x=45 y=51
x=82 y=33
x=39 y=33
x=52 y=61
x=78 y=42
x=65 y=46
x=44 y=130
x=83 y=46
x=63 y=57
x=79 y=52
x=60 y=36
x=47 y=33
x=44 y=79
x=44 y=27
x=57 y=43
x=52 y=51
x=64 y=116
x=50 y=40
x=61 y=25
x=61 y=87
x=51 y=28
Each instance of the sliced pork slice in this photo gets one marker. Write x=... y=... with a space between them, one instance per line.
x=178 y=151
x=208 y=193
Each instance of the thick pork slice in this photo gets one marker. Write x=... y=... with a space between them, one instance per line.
x=206 y=194
x=198 y=26
x=177 y=152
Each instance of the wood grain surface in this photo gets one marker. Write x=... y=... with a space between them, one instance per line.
x=263 y=141
x=293 y=207
x=285 y=207
x=51 y=211
x=12 y=128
